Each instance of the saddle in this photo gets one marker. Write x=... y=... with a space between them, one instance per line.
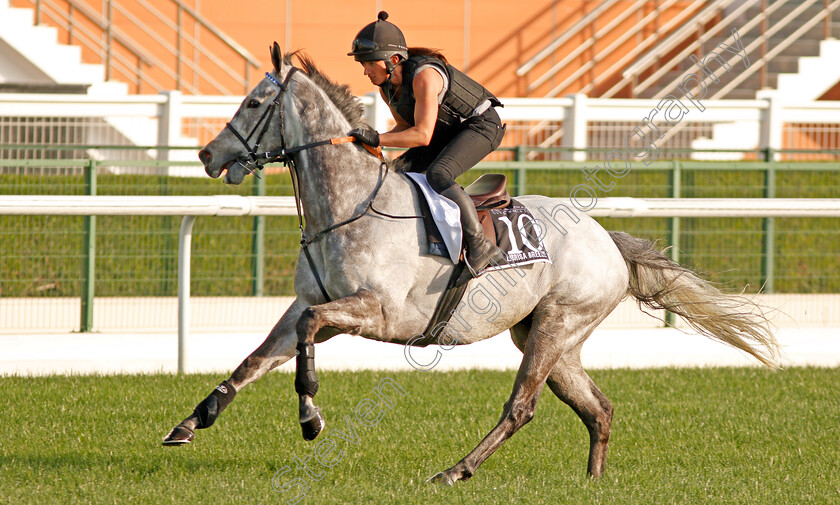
x=489 y=192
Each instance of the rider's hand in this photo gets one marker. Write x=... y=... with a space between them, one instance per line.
x=365 y=136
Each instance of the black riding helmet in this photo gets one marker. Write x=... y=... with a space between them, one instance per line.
x=378 y=41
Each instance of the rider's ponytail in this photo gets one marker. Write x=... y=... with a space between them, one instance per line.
x=426 y=51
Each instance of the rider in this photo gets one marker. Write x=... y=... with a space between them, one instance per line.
x=445 y=119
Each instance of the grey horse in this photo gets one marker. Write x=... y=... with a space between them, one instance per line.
x=378 y=282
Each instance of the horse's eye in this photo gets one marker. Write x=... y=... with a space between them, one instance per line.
x=253 y=103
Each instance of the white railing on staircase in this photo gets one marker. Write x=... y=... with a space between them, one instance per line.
x=578 y=27
x=762 y=61
x=182 y=66
x=673 y=42
x=683 y=37
x=623 y=38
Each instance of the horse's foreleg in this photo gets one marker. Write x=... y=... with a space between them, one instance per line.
x=358 y=314
x=277 y=348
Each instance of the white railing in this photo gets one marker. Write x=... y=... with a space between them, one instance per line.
x=191 y=207
x=578 y=27
x=159 y=119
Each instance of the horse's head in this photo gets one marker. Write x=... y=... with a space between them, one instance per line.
x=254 y=129
x=288 y=109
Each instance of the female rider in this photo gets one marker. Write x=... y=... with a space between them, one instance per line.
x=445 y=119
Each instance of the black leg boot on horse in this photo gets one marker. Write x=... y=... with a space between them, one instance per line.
x=480 y=252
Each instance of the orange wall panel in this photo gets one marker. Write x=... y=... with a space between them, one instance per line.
x=488 y=38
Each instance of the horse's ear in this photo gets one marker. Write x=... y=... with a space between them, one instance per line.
x=275 y=57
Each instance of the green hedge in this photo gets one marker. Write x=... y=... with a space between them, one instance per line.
x=137 y=255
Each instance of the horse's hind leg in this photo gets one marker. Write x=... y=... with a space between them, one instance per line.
x=551 y=332
x=277 y=348
x=570 y=382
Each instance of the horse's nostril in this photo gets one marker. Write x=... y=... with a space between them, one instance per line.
x=205 y=156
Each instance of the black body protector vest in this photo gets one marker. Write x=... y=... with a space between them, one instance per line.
x=462 y=97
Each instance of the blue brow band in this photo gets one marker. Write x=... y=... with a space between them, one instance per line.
x=272 y=79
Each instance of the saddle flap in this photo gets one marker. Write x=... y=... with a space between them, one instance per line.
x=489 y=191
x=487 y=224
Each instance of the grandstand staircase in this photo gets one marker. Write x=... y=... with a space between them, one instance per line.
x=38 y=62
x=70 y=47
x=792 y=33
x=641 y=49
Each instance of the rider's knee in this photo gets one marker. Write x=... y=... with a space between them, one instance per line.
x=440 y=179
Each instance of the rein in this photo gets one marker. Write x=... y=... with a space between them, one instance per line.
x=253 y=161
x=283 y=155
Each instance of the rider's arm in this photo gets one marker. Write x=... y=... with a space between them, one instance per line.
x=427 y=86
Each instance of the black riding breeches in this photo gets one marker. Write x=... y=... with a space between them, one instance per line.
x=453 y=151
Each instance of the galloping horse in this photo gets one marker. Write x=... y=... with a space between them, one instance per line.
x=362 y=270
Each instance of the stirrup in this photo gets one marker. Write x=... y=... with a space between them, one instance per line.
x=494 y=257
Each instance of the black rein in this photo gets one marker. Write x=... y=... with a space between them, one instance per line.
x=285 y=156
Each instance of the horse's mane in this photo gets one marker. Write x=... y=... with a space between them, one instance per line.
x=344 y=100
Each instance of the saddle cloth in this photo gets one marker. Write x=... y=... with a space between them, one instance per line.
x=512 y=228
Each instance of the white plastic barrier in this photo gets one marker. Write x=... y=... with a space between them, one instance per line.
x=233 y=205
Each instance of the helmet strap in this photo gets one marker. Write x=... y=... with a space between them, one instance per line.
x=389 y=66
x=387 y=84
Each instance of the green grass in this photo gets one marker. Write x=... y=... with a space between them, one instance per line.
x=679 y=436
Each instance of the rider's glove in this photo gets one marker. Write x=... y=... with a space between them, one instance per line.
x=365 y=136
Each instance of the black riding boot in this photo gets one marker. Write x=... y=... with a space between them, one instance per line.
x=480 y=252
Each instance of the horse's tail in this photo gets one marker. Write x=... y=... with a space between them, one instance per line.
x=660 y=283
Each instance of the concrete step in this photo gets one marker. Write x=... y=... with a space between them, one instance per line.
x=45 y=88
x=784 y=10
x=17 y=17
x=745 y=89
x=784 y=64
x=804 y=46
x=816 y=74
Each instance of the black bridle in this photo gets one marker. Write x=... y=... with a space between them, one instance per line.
x=253 y=160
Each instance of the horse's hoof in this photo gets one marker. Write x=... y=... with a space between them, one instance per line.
x=179 y=435
x=313 y=426
x=441 y=478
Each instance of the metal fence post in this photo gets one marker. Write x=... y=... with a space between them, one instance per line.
x=184 y=255
x=769 y=256
x=88 y=254
x=575 y=128
x=169 y=125
x=109 y=38
x=674 y=232
x=520 y=170
x=258 y=246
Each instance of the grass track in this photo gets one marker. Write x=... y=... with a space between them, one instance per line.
x=679 y=436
